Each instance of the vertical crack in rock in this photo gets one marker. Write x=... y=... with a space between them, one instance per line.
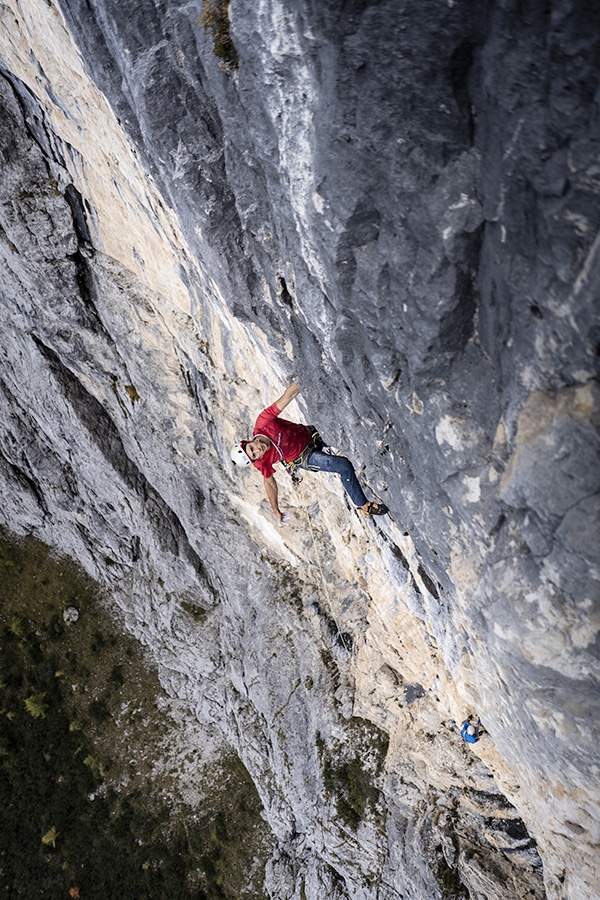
x=75 y=201
x=167 y=526
x=35 y=118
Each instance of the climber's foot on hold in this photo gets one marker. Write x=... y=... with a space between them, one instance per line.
x=374 y=509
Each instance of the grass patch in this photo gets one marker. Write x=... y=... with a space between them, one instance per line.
x=83 y=805
x=132 y=393
x=288 y=586
x=198 y=613
x=215 y=21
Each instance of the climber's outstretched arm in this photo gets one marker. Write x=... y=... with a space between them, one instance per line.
x=288 y=395
x=271 y=489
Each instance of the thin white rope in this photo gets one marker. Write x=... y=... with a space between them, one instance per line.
x=320 y=567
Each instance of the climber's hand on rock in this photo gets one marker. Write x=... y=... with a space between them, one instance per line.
x=283 y=519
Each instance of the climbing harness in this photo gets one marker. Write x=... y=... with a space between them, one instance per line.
x=315 y=442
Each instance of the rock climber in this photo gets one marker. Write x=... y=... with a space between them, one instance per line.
x=297 y=447
x=471 y=733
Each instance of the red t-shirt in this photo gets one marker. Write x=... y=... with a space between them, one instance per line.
x=288 y=439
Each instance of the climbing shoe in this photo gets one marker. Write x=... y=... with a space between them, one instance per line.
x=375 y=509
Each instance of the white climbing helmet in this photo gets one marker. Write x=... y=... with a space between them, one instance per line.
x=239 y=456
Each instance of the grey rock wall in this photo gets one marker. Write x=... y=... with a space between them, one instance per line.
x=398 y=205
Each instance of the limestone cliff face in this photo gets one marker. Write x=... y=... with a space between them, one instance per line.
x=398 y=205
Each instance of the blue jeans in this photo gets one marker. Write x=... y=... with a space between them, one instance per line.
x=323 y=462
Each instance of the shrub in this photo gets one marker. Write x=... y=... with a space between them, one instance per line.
x=35 y=706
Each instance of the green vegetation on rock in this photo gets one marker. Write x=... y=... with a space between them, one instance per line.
x=84 y=806
x=215 y=21
x=449 y=880
x=351 y=769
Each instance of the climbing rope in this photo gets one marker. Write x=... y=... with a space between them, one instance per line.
x=320 y=567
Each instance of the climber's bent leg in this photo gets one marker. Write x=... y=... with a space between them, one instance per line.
x=323 y=462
